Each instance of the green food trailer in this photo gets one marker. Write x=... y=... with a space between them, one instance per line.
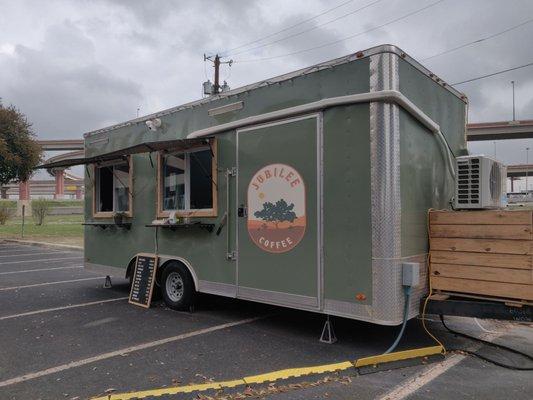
x=309 y=190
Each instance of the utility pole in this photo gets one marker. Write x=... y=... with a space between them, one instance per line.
x=527 y=169
x=216 y=63
x=514 y=113
x=216 y=86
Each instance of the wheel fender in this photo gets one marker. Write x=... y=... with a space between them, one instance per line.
x=164 y=259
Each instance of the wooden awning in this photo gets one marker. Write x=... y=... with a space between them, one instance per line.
x=147 y=147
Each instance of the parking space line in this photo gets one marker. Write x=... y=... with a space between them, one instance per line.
x=116 y=353
x=45 y=310
x=4 y=250
x=410 y=386
x=481 y=327
x=15 y=250
x=49 y=283
x=45 y=260
x=39 y=269
x=34 y=254
x=15 y=246
x=41 y=261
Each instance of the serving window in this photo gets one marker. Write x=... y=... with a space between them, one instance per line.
x=112 y=189
x=187 y=182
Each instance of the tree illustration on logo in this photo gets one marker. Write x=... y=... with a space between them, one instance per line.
x=276 y=213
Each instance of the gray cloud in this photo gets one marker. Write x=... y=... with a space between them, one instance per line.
x=62 y=88
x=74 y=66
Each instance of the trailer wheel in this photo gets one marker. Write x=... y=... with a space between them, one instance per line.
x=177 y=286
x=130 y=271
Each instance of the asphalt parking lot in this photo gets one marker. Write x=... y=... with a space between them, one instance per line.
x=64 y=336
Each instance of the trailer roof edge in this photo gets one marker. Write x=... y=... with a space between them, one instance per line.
x=385 y=48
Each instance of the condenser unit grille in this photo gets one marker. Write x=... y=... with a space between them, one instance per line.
x=468 y=181
x=495 y=183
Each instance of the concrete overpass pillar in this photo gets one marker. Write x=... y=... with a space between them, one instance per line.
x=59 y=175
x=24 y=190
x=24 y=199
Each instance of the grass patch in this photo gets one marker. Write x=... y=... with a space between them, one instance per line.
x=53 y=203
x=8 y=203
x=66 y=203
x=61 y=229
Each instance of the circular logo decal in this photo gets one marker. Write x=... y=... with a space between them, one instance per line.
x=276 y=208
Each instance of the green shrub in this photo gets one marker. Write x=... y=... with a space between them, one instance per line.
x=5 y=214
x=40 y=209
x=8 y=203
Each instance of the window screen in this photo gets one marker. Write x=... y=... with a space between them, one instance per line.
x=122 y=179
x=187 y=182
x=112 y=188
x=174 y=182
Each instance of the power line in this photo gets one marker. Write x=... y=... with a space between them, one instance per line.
x=307 y=30
x=493 y=74
x=288 y=28
x=346 y=38
x=479 y=40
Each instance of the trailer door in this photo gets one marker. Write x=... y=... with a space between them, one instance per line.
x=278 y=216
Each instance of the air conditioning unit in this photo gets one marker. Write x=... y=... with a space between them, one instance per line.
x=481 y=183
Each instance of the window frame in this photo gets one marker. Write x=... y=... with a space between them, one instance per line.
x=110 y=214
x=204 y=212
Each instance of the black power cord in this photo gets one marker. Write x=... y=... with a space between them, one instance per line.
x=498 y=346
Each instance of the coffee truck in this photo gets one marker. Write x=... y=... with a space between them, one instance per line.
x=309 y=190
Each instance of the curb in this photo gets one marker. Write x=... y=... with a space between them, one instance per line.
x=43 y=244
x=283 y=374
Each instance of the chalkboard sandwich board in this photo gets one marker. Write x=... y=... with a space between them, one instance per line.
x=143 y=279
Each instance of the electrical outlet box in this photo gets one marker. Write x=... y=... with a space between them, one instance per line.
x=410 y=274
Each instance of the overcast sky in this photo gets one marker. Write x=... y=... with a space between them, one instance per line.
x=75 y=66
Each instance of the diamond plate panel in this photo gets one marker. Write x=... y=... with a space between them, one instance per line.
x=387 y=297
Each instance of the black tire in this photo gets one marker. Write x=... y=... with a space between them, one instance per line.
x=131 y=272
x=177 y=286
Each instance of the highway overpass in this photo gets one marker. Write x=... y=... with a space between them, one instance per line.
x=61 y=145
x=500 y=130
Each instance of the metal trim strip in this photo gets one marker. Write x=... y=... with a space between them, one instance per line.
x=387 y=295
x=383 y=96
x=320 y=208
x=277 y=298
x=225 y=109
x=221 y=289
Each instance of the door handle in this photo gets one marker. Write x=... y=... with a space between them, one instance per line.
x=242 y=211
